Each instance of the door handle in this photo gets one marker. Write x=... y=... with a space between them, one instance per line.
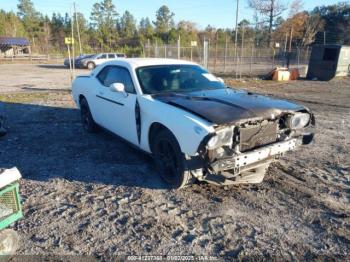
x=100 y=93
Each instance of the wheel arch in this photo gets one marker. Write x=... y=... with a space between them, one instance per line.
x=80 y=97
x=156 y=127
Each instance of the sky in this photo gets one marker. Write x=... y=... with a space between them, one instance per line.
x=217 y=13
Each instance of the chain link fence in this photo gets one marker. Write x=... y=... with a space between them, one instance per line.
x=247 y=61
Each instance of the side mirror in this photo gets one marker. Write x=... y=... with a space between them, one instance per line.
x=118 y=88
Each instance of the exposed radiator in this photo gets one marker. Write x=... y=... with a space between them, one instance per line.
x=257 y=135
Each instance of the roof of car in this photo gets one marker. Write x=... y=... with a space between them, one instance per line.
x=139 y=62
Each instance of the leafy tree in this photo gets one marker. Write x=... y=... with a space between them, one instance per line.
x=104 y=21
x=164 y=21
x=279 y=20
x=269 y=10
x=30 y=18
x=305 y=27
x=58 y=31
x=187 y=31
x=337 y=22
x=80 y=21
x=10 y=25
x=245 y=32
x=146 y=30
x=127 y=25
x=107 y=31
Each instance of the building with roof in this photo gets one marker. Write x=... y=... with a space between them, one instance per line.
x=11 y=46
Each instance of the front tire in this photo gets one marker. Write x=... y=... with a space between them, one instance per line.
x=86 y=117
x=170 y=161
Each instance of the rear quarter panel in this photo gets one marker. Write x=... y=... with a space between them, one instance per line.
x=82 y=85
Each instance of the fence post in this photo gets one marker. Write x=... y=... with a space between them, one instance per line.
x=242 y=52
x=205 y=54
x=179 y=48
x=156 y=51
x=251 y=60
x=216 y=52
x=225 y=54
x=298 y=56
x=165 y=51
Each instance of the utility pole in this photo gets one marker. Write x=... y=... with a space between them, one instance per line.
x=236 y=37
x=290 y=46
x=73 y=52
x=78 y=29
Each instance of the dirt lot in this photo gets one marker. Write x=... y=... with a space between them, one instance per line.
x=94 y=195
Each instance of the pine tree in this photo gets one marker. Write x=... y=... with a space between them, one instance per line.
x=30 y=18
x=127 y=25
x=104 y=21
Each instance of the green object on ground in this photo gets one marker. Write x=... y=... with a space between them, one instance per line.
x=10 y=205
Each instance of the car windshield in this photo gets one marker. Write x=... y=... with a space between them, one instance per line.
x=176 y=78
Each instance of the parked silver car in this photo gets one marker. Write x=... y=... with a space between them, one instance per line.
x=77 y=60
x=92 y=62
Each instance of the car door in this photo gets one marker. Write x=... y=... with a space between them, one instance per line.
x=116 y=110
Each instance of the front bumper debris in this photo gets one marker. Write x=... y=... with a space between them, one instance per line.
x=243 y=160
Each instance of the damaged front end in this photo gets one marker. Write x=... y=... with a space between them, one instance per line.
x=242 y=151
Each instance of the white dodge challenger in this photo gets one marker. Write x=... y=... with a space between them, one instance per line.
x=195 y=127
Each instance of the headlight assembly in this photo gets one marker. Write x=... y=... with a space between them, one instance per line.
x=298 y=120
x=222 y=137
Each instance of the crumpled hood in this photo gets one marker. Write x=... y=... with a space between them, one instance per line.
x=229 y=106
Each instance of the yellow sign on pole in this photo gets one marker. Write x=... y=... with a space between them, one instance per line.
x=193 y=43
x=69 y=41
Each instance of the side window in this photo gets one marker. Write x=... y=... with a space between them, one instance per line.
x=103 y=74
x=114 y=74
x=104 y=56
x=125 y=78
x=111 y=56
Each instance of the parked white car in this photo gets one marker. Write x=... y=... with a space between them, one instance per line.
x=194 y=126
x=98 y=59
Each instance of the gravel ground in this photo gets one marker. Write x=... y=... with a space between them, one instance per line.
x=87 y=194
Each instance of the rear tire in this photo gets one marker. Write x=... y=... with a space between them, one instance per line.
x=170 y=161
x=2 y=127
x=86 y=117
x=91 y=65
